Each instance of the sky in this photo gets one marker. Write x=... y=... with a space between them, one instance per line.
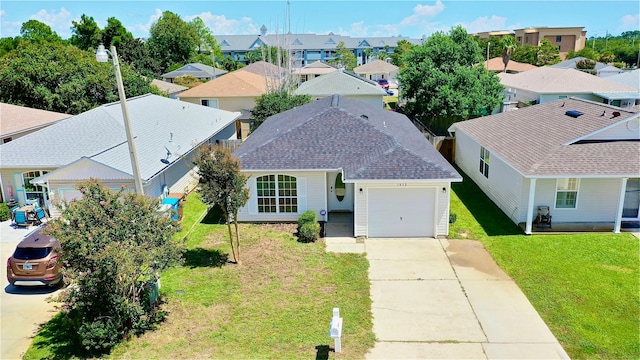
x=355 y=18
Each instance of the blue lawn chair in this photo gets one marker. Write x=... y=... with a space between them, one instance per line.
x=20 y=218
x=40 y=214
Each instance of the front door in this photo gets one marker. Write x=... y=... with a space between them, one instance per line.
x=340 y=194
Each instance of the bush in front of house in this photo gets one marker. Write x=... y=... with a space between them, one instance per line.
x=308 y=227
x=5 y=214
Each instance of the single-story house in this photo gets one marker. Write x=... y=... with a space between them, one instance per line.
x=199 y=71
x=343 y=155
x=513 y=67
x=600 y=69
x=313 y=70
x=377 y=69
x=18 y=121
x=344 y=83
x=48 y=163
x=546 y=83
x=578 y=157
x=171 y=89
x=237 y=91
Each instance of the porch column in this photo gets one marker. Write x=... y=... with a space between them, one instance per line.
x=618 y=222
x=532 y=193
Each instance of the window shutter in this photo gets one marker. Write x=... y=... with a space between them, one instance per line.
x=253 y=196
x=302 y=194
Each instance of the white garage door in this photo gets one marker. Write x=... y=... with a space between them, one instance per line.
x=401 y=212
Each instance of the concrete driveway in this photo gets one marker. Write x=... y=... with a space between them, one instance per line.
x=447 y=299
x=22 y=309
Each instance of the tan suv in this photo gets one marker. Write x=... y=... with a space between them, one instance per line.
x=35 y=260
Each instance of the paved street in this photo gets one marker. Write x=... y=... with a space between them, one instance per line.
x=22 y=309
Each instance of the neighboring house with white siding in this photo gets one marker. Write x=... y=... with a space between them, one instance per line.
x=48 y=163
x=580 y=158
x=346 y=84
x=342 y=155
x=544 y=84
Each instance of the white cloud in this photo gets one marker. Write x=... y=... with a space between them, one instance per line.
x=485 y=23
x=220 y=25
x=629 y=22
x=60 y=22
x=142 y=30
x=422 y=12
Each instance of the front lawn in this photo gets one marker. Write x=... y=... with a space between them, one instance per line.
x=585 y=286
x=276 y=305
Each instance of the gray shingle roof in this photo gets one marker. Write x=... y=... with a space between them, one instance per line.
x=99 y=134
x=540 y=140
x=196 y=70
x=342 y=133
x=340 y=82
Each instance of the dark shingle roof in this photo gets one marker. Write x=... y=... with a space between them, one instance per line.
x=541 y=140
x=341 y=133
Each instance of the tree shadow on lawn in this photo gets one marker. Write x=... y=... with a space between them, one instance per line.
x=214 y=216
x=199 y=257
x=487 y=214
x=57 y=336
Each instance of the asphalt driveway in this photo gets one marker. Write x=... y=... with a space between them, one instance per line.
x=22 y=309
x=447 y=299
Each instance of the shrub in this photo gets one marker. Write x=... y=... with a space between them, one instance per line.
x=452 y=218
x=4 y=212
x=308 y=227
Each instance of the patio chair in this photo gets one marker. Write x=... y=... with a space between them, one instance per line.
x=20 y=218
x=544 y=217
x=40 y=214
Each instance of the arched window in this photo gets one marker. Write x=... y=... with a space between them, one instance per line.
x=277 y=194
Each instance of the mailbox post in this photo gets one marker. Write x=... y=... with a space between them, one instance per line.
x=335 y=331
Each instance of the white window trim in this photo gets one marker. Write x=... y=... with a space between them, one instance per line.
x=483 y=161
x=210 y=100
x=277 y=195
x=555 y=196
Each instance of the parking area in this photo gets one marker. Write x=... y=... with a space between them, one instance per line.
x=22 y=309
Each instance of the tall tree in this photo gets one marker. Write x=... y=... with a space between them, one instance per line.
x=442 y=82
x=114 y=244
x=39 y=32
x=114 y=33
x=172 y=40
x=86 y=34
x=63 y=78
x=208 y=43
x=136 y=53
x=548 y=54
x=509 y=45
x=402 y=48
x=222 y=184
x=344 y=58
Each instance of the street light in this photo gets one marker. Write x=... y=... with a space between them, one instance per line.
x=102 y=55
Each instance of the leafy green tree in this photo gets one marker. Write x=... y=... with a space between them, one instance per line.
x=548 y=54
x=442 y=82
x=587 y=52
x=231 y=65
x=526 y=54
x=508 y=44
x=136 y=54
x=402 y=48
x=86 y=34
x=39 y=32
x=188 y=81
x=63 y=78
x=8 y=43
x=344 y=58
x=208 y=43
x=114 y=245
x=274 y=103
x=114 y=33
x=172 y=40
x=223 y=185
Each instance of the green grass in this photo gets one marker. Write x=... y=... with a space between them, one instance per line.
x=276 y=305
x=585 y=286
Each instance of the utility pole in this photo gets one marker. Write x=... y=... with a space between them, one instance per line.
x=488 y=44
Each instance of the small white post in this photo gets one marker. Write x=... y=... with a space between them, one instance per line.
x=335 y=331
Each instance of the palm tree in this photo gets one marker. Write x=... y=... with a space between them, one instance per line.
x=508 y=46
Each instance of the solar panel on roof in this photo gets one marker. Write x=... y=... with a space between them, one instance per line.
x=574 y=113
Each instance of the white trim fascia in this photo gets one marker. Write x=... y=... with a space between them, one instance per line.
x=421 y=181
x=288 y=170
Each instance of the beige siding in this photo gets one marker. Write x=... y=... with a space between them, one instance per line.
x=441 y=216
x=625 y=131
x=8 y=177
x=315 y=194
x=227 y=103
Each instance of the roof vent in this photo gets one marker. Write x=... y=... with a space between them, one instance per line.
x=364 y=117
x=573 y=113
x=335 y=99
x=615 y=114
